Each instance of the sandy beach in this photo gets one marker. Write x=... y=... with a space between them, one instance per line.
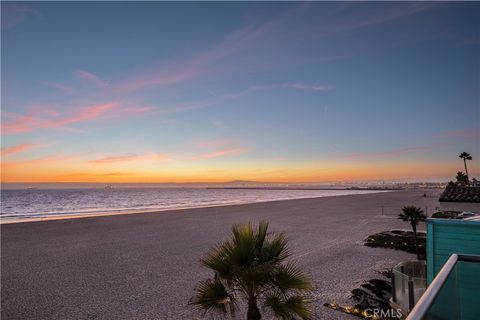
x=145 y=265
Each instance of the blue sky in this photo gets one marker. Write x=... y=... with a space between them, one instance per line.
x=271 y=91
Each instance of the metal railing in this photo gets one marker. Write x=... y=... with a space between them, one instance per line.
x=422 y=308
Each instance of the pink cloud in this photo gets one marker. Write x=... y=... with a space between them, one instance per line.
x=223 y=153
x=31 y=122
x=200 y=65
x=218 y=148
x=59 y=86
x=209 y=144
x=158 y=79
x=90 y=77
x=19 y=148
x=302 y=86
x=49 y=159
x=137 y=109
x=395 y=152
x=88 y=113
x=114 y=159
x=150 y=156
x=473 y=133
x=189 y=106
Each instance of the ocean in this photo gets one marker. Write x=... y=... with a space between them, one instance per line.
x=23 y=203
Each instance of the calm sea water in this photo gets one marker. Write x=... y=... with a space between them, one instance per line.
x=23 y=203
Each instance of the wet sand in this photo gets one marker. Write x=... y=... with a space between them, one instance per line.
x=145 y=265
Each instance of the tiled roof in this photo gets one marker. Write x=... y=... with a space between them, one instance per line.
x=460 y=194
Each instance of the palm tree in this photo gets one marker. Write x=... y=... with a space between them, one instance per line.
x=462 y=179
x=465 y=156
x=413 y=215
x=252 y=265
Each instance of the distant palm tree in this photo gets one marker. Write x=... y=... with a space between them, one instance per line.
x=465 y=156
x=413 y=215
x=252 y=266
x=462 y=179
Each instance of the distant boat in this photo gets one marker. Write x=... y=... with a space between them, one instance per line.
x=32 y=188
x=109 y=186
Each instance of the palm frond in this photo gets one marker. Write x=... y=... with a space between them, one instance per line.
x=290 y=308
x=218 y=260
x=291 y=277
x=212 y=296
x=465 y=155
x=261 y=235
x=242 y=245
x=275 y=250
x=254 y=279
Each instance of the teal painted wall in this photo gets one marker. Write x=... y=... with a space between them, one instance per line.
x=448 y=236
x=459 y=297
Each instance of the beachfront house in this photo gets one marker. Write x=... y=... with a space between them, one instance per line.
x=460 y=198
x=452 y=271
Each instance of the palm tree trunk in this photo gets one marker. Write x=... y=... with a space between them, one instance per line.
x=253 y=312
x=414 y=227
x=466 y=171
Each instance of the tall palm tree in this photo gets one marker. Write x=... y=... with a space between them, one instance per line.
x=465 y=156
x=413 y=215
x=252 y=266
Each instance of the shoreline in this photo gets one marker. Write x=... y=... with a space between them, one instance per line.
x=120 y=212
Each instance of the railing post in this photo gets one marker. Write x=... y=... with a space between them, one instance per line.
x=411 y=298
x=394 y=298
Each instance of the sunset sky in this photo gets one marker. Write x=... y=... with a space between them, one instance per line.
x=218 y=91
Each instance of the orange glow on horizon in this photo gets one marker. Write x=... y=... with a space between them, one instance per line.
x=152 y=168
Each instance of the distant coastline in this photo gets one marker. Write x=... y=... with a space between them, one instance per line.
x=236 y=184
x=308 y=188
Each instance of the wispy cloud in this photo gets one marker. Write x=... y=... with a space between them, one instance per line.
x=115 y=174
x=149 y=156
x=302 y=86
x=31 y=122
x=395 y=152
x=91 y=78
x=189 y=106
x=91 y=176
x=202 y=64
x=472 y=133
x=15 y=13
x=223 y=153
x=19 y=148
x=287 y=85
x=219 y=124
x=59 y=86
x=115 y=159
x=88 y=113
x=57 y=158
x=212 y=144
x=386 y=14
x=218 y=148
